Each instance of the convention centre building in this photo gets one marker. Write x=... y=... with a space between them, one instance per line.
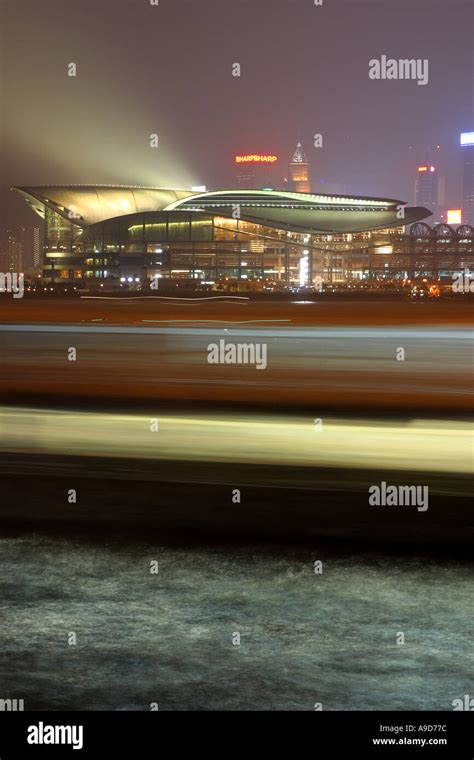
x=123 y=236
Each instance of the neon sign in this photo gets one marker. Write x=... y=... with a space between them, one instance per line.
x=255 y=158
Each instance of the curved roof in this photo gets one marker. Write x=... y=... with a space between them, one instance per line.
x=299 y=212
x=88 y=204
x=304 y=212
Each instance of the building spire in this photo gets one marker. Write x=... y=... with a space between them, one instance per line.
x=299 y=156
x=299 y=171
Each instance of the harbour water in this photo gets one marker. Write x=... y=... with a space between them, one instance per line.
x=135 y=625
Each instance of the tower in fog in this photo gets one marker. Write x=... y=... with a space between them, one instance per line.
x=426 y=187
x=299 y=171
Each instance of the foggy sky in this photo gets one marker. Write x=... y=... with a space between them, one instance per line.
x=168 y=70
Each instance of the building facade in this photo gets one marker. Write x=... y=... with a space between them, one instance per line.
x=117 y=237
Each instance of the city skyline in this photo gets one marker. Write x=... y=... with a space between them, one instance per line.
x=20 y=243
x=236 y=280
x=288 y=90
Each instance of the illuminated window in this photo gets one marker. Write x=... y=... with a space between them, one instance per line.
x=178 y=230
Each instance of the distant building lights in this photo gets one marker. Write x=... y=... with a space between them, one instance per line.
x=467 y=138
x=303 y=271
x=454 y=216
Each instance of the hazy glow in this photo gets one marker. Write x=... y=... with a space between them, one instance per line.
x=454 y=216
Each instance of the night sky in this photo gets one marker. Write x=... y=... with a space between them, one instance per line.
x=143 y=69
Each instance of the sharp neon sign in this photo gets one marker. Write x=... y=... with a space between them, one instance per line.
x=255 y=158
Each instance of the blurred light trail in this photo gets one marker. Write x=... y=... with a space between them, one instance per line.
x=217 y=321
x=330 y=313
x=199 y=299
x=419 y=445
x=338 y=333
x=315 y=366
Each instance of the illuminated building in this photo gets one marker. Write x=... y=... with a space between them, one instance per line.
x=426 y=187
x=467 y=145
x=129 y=236
x=15 y=249
x=36 y=247
x=299 y=171
x=454 y=216
x=255 y=171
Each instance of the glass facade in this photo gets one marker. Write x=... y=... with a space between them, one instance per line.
x=227 y=253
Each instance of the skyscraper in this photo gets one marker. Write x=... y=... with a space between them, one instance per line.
x=299 y=171
x=15 y=249
x=467 y=144
x=256 y=170
x=426 y=187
